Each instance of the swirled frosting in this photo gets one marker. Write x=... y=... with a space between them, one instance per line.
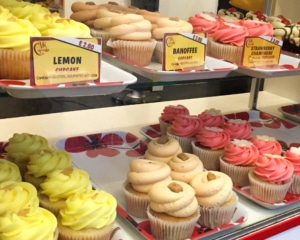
x=204 y=23
x=273 y=168
x=143 y=173
x=89 y=209
x=186 y=125
x=39 y=224
x=212 y=118
x=169 y=112
x=212 y=137
x=241 y=153
x=266 y=144
x=184 y=166
x=22 y=145
x=174 y=198
x=4 y=13
x=60 y=184
x=9 y=171
x=258 y=28
x=238 y=128
x=46 y=161
x=17 y=197
x=293 y=155
x=212 y=188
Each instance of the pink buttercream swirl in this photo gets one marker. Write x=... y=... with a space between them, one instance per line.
x=293 y=155
x=186 y=125
x=204 y=23
x=171 y=111
x=273 y=168
x=212 y=118
x=241 y=153
x=212 y=137
x=257 y=28
x=266 y=144
x=230 y=33
x=238 y=128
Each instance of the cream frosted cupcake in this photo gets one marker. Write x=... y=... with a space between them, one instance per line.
x=212 y=118
x=238 y=159
x=87 y=215
x=173 y=210
x=162 y=149
x=44 y=162
x=184 y=166
x=61 y=184
x=184 y=129
x=238 y=129
x=209 y=146
x=271 y=178
x=266 y=144
x=142 y=174
x=293 y=155
x=215 y=197
x=9 y=171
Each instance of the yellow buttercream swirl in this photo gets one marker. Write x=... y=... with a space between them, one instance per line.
x=9 y=171
x=22 y=145
x=4 y=13
x=89 y=209
x=61 y=184
x=44 y=162
x=16 y=197
x=38 y=224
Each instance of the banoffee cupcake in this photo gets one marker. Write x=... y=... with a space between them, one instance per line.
x=238 y=159
x=44 y=162
x=293 y=155
x=173 y=210
x=271 y=178
x=87 y=215
x=212 y=118
x=61 y=184
x=142 y=174
x=184 y=166
x=184 y=129
x=266 y=144
x=215 y=197
x=162 y=149
x=238 y=129
x=209 y=146
x=9 y=171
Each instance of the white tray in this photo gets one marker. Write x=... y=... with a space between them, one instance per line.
x=112 y=80
x=291 y=111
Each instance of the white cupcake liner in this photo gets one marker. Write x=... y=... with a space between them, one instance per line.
x=184 y=142
x=295 y=186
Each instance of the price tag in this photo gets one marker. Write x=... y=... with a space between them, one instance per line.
x=261 y=51
x=56 y=60
x=184 y=51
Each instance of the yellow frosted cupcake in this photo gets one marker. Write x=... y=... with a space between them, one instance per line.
x=9 y=171
x=87 y=215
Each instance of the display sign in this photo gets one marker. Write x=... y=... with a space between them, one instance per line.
x=55 y=60
x=261 y=51
x=184 y=51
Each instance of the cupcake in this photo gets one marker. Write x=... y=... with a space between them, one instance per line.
x=87 y=215
x=293 y=155
x=168 y=114
x=61 y=184
x=238 y=159
x=173 y=210
x=238 y=129
x=212 y=118
x=271 y=178
x=266 y=144
x=184 y=166
x=209 y=146
x=9 y=171
x=44 y=162
x=215 y=197
x=184 y=128
x=162 y=149
x=143 y=173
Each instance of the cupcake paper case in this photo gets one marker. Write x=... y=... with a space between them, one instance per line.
x=293 y=155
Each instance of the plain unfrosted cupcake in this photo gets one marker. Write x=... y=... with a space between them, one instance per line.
x=238 y=128
x=293 y=155
x=173 y=210
x=266 y=144
x=142 y=174
x=9 y=171
x=212 y=118
x=215 y=197
x=271 y=178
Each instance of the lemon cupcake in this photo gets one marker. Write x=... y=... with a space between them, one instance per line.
x=9 y=171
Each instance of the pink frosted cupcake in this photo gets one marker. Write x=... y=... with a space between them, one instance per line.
x=266 y=144
x=238 y=159
x=238 y=129
x=209 y=146
x=212 y=118
x=258 y=28
x=271 y=178
x=184 y=129
x=168 y=114
x=293 y=155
